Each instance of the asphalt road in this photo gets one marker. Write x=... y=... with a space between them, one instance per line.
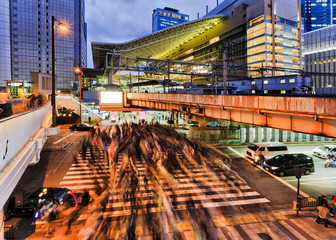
x=321 y=182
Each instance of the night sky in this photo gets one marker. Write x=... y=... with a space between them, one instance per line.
x=117 y=21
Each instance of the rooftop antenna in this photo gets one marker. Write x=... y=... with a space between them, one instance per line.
x=206 y=9
x=197 y=15
x=217 y=2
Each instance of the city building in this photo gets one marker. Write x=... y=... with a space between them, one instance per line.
x=29 y=40
x=318 y=14
x=167 y=17
x=5 y=55
x=320 y=58
x=252 y=38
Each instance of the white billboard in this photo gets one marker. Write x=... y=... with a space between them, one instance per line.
x=111 y=99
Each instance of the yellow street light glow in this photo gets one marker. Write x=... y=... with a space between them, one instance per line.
x=62 y=26
x=77 y=70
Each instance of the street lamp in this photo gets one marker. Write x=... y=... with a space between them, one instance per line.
x=53 y=85
x=79 y=72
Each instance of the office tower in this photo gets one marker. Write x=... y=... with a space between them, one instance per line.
x=167 y=17
x=5 y=59
x=317 y=14
x=31 y=39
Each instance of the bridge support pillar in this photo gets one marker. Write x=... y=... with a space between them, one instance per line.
x=259 y=134
x=268 y=134
x=2 y=225
x=243 y=135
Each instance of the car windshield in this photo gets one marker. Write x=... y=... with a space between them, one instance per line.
x=325 y=148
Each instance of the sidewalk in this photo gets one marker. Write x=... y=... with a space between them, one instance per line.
x=275 y=225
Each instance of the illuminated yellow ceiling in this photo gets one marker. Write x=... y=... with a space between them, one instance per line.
x=166 y=44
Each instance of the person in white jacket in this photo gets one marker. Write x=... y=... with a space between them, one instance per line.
x=324 y=214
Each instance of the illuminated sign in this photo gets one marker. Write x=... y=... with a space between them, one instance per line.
x=257 y=20
x=14 y=84
x=111 y=99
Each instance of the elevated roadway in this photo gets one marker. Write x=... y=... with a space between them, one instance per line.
x=311 y=115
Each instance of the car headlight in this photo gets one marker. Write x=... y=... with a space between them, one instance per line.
x=274 y=168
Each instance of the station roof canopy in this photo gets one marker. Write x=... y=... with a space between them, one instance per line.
x=155 y=45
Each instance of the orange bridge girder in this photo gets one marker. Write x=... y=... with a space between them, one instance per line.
x=311 y=115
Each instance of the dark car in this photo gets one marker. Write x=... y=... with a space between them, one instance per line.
x=81 y=127
x=42 y=198
x=285 y=164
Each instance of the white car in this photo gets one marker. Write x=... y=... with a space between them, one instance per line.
x=324 y=151
x=267 y=149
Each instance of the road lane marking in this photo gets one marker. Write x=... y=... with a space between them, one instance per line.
x=312 y=179
x=68 y=135
x=276 y=177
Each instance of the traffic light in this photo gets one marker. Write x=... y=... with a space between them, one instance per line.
x=159 y=115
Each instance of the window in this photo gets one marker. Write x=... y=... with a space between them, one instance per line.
x=292 y=80
x=265 y=81
x=283 y=81
x=283 y=91
x=277 y=148
x=253 y=82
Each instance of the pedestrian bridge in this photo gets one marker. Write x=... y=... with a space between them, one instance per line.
x=311 y=115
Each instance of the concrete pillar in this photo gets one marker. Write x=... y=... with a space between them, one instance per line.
x=299 y=137
x=292 y=136
x=256 y=134
x=281 y=133
x=272 y=135
x=264 y=138
x=252 y=134
x=243 y=134
x=276 y=135
x=268 y=134
x=247 y=127
x=2 y=225
x=111 y=77
x=284 y=136
x=260 y=134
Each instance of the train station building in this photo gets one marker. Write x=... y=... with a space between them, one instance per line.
x=252 y=38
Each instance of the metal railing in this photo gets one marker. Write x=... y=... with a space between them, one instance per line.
x=314 y=201
x=9 y=232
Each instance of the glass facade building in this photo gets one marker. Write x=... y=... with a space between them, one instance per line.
x=261 y=51
x=167 y=17
x=31 y=39
x=318 y=14
x=320 y=56
x=5 y=57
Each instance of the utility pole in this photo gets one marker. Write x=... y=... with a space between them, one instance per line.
x=224 y=69
x=262 y=78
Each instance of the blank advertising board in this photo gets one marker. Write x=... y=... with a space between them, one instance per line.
x=111 y=99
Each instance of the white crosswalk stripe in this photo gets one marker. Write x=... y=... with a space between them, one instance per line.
x=203 y=189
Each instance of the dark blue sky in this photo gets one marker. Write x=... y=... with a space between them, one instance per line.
x=124 y=20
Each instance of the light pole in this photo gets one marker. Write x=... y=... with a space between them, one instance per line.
x=79 y=71
x=53 y=84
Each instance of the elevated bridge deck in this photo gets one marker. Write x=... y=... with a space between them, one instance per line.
x=312 y=115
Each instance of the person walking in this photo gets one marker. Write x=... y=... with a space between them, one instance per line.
x=323 y=214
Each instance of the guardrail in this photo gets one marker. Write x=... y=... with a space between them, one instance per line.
x=314 y=201
x=9 y=232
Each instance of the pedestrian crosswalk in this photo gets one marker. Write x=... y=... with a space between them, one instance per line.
x=203 y=189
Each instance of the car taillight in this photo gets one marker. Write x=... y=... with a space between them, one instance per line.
x=313 y=161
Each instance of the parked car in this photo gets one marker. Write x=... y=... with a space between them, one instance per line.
x=213 y=124
x=285 y=164
x=324 y=151
x=81 y=127
x=43 y=198
x=267 y=149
